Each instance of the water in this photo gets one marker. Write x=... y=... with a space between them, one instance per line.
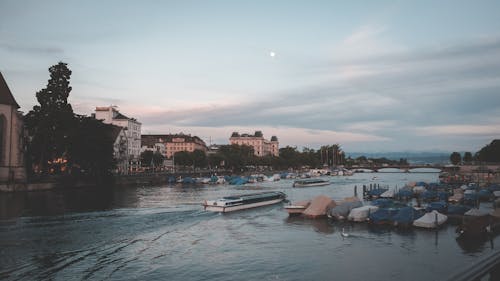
x=162 y=233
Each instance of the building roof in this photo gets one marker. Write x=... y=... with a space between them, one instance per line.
x=150 y=140
x=121 y=116
x=5 y=94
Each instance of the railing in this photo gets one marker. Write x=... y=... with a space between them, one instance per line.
x=478 y=269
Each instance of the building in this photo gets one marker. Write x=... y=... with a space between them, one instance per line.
x=11 y=137
x=120 y=149
x=110 y=115
x=261 y=146
x=174 y=143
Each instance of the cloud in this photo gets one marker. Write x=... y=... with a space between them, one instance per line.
x=364 y=42
x=36 y=50
x=460 y=130
x=300 y=137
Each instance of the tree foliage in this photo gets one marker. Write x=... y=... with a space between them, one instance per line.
x=152 y=159
x=50 y=123
x=91 y=149
x=455 y=158
x=489 y=153
x=183 y=158
x=467 y=157
x=56 y=135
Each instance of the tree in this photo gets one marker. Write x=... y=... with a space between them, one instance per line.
x=489 y=153
x=147 y=158
x=455 y=158
x=158 y=159
x=57 y=138
x=467 y=157
x=237 y=157
x=91 y=149
x=199 y=158
x=50 y=123
x=183 y=158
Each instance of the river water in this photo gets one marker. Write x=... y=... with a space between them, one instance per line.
x=163 y=233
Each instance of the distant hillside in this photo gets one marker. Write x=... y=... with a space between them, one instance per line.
x=412 y=157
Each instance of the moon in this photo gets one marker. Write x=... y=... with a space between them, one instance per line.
x=272 y=54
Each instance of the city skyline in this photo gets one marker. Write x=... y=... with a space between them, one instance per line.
x=385 y=76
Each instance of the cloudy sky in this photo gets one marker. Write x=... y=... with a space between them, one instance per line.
x=370 y=75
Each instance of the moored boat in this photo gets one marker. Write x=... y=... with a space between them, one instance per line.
x=430 y=220
x=243 y=201
x=475 y=223
x=310 y=182
x=297 y=208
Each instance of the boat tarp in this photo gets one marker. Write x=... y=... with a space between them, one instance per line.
x=419 y=189
x=383 y=215
x=430 y=220
x=388 y=194
x=376 y=192
x=439 y=206
x=495 y=213
x=382 y=203
x=342 y=210
x=405 y=193
x=407 y=215
x=318 y=207
x=457 y=209
x=361 y=213
x=351 y=199
x=484 y=194
x=457 y=197
x=476 y=213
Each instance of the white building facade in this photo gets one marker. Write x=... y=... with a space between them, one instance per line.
x=132 y=128
x=12 y=168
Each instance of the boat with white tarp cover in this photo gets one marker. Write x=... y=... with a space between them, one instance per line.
x=243 y=201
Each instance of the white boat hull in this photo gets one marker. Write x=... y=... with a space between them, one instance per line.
x=295 y=209
x=312 y=184
x=225 y=209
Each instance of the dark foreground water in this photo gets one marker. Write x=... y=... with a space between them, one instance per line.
x=162 y=233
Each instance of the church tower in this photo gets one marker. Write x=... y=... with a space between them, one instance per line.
x=12 y=168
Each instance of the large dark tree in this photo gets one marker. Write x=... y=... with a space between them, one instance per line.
x=55 y=134
x=91 y=149
x=50 y=122
x=489 y=153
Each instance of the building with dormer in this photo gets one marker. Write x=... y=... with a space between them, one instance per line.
x=174 y=143
x=261 y=146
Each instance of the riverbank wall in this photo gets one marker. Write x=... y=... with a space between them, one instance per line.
x=139 y=179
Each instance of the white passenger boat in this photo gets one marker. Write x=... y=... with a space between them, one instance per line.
x=310 y=182
x=244 y=201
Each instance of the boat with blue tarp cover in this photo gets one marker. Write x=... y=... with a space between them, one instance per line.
x=407 y=215
x=383 y=216
x=439 y=206
x=244 y=201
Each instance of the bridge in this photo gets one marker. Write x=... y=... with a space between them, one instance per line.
x=402 y=168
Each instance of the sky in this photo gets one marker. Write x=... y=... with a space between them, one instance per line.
x=372 y=76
